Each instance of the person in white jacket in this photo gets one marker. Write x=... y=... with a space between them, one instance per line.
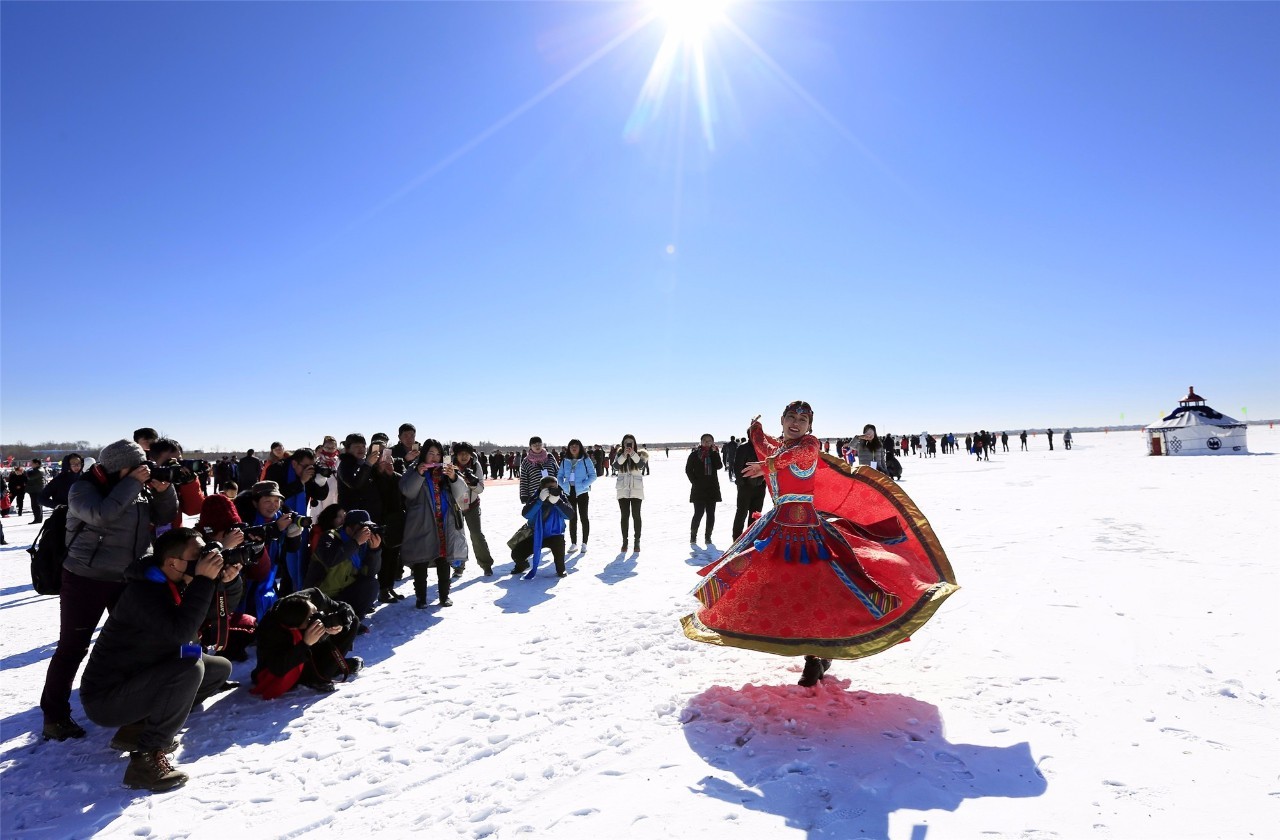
x=629 y=466
x=577 y=473
x=467 y=494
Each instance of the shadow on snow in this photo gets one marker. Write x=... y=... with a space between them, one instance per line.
x=835 y=763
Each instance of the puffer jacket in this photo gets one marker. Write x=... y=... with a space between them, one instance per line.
x=421 y=532
x=629 y=474
x=146 y=627
x=467 y=494
x=866 y=454
x=35 y=481
x=703 y=486
x=579 y=473
x=109 y=524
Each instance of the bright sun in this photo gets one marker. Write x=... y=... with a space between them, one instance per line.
x=689 y=20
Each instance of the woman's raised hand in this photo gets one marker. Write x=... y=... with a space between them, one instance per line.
x=753 y=469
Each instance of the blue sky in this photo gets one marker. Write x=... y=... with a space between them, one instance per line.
x=241 y=222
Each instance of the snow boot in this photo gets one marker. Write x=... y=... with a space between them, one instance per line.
x=814 y=669
x=61 y=730
x=152 y=771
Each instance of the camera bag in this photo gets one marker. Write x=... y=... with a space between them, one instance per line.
x=49 y=550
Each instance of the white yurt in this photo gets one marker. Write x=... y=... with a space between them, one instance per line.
x=1196 y=429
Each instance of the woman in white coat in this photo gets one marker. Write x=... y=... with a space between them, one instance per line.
x=628 y=467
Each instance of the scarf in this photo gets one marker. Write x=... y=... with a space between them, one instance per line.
x=357 y=559
x=538 y=458
x=439 y=507
x=542 y=522
x=298 y=504
x=706 y=460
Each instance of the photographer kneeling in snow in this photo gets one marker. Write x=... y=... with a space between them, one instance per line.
x=546 y=513
x=147 y=669
x=304 y=639
x=346 y=563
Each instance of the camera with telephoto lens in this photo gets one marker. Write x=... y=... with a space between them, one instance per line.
x=298 y=519
x=176 y=473
x=257 y=533
x=198 y=466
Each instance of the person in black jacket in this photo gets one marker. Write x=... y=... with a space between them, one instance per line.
x=249 y=470
x=356 y=487
x=55 y=492
x=305 y=639
x=751 y=491
x=18 y=487
x=147 y=669
x=703 y=470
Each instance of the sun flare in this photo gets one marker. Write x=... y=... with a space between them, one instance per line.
x=689 y=20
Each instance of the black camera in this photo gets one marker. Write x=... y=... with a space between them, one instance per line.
x=302 y=521
x=256 y=533
x=169 y=472
x=324 y=472
x=199 y=466
x=176 y=473
x=237 y=556
x=374 y=527
x=211 y=547
x=334 y=618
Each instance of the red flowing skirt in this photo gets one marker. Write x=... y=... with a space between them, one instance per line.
x=839 y=585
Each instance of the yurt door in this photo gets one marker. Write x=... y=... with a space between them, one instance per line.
x=1155 y=445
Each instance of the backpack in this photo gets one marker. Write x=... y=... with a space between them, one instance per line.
x=49 y=550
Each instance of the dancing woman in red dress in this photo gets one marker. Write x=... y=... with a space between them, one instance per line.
x=843 y=566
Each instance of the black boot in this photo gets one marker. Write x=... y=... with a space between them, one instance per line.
x=814 y=668
x=61 y=730
x=637 y=545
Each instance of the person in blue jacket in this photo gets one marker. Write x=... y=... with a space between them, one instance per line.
x=577 y=473
x=547 y=512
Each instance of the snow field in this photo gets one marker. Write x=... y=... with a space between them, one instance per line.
x=1108 y=669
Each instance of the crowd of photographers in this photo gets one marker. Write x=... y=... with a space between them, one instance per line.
x=289 y=554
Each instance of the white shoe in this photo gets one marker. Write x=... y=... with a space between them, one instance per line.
x=583 y=548
x=573 y=548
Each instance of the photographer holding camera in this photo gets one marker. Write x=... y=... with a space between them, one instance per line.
x=305 y=639
x=547 y=513
x=467 y=494
x=269 y=524
x=327 y=469
x=227 y=629
x=165 y=460
x=432 y=522
x=346 y=562
x=147 y=669
x=110 y=516
x=301 y=485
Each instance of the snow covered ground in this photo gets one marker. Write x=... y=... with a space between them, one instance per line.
x=1108 y=670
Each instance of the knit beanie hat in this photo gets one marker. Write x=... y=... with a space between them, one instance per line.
x=120 y=455
x=218 y=513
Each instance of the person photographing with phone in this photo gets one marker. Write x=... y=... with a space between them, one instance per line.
x=147 y=668
x=356 y=487
x=628 y=469
x=433 y=536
